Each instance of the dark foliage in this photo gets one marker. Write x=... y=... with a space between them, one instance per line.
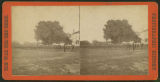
x=119 y=31
x=51 y=32
x=85 y=43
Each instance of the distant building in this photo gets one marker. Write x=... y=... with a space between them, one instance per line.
x=75 y=38
x=109 y=41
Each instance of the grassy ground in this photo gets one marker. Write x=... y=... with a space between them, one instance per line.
x=84 y=61
x=45 y=62
x=114 y=61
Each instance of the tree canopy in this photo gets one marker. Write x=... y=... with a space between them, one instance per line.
x=85 y=43
x=119 y=31
x=49 y=32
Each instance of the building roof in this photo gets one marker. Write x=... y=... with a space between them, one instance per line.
x=76 y=32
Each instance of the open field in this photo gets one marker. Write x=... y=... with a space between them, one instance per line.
x=121 y=61
x=45 y=62
x=80 y=61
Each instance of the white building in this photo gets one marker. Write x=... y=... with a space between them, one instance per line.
x=75 y=37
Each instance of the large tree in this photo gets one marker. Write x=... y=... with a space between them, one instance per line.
x=49 y=32
x=119 y=31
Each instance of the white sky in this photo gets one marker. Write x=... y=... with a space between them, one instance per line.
x=92 y=19
x=25 y=18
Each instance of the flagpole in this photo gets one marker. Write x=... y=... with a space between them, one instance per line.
x=79 y=22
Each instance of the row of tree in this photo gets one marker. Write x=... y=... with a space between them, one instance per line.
x=118 y=31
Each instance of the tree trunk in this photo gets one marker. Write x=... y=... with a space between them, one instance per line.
x=72 y=47
x=64 y=48
x=133 y=46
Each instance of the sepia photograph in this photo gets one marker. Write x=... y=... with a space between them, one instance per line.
x=80 y=40
x=114 y=40
x=45 y=40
